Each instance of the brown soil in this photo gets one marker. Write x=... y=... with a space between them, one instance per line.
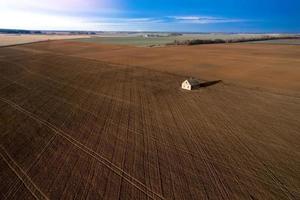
x=94 y=121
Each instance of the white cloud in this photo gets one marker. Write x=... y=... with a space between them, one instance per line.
x=123 y=24
x=204 y=19
x=36 y=21
x=55 y=5
x=44 y=21
x=55 y=14
x=87 y=15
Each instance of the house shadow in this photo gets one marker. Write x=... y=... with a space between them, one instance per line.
x=207 y=84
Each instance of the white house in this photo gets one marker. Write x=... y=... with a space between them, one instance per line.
x=190 y=84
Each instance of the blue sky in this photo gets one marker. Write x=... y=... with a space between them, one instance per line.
x=154 y=15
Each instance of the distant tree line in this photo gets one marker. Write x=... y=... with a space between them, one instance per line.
x=175 y=34
x=82 y=33
x=14 y=31
x=19 y=31
x=237 y=40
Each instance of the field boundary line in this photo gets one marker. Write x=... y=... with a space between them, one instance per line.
x=117 y=170
x=26 y=180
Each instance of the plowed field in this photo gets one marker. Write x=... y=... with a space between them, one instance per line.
x=89 y=121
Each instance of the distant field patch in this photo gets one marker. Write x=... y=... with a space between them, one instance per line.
x=280 y=41
x=13 y=39
x=139 y=40
x=135 y=40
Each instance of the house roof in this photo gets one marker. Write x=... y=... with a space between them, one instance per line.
x=193 y=82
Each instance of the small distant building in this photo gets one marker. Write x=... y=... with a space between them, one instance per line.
x=190 y=84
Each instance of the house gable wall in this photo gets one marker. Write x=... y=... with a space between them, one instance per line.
x=185 y=85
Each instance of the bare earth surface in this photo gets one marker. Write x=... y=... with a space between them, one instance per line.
x=83 y=120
